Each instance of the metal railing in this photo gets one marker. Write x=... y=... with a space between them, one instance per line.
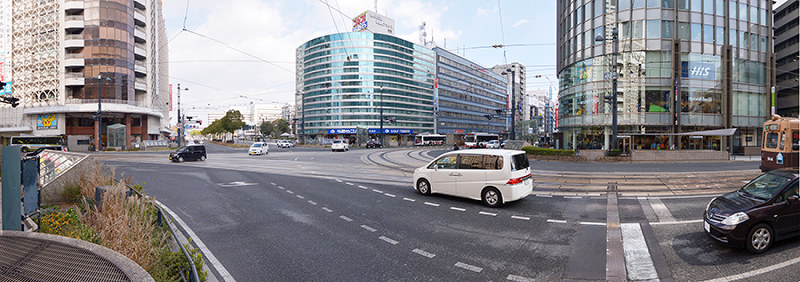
x=73 y=37
x=74 y=18
x=105 y=101
x=73 y=56
x=73 y=75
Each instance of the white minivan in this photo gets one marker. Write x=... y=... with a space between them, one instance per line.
x=492 y=176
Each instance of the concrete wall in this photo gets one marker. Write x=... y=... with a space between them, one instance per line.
x=592 y=155
x=53 y=192
x=678 y=155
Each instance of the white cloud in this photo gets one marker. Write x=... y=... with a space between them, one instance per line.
x=520 y=22
x=485 y=12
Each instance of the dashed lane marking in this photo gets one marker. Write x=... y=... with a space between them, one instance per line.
x=281 y=187
x=544 y=196
x=752 y=273
x=572 y=197
x=487 y=213
x=676 y=222
x=517 y=278
x=457 y=209
x=520 y=217
x=339 y=180
x=300 y=196
x=593 y=223
x=312 y=202
x=346 y=218
x=468 y=267
x=423 y=253
x=327 y=209
x=556 y=221
x=273 y=183
x=410 y=200
x=348 y=183
x=289 y=191
x=388 y=240
x=370 y=229
x=432 y=204
x=362 y=187
x=377 y=191
x=390 y=195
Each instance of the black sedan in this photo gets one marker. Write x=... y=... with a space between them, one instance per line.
x=373 y=144
x=763 y=211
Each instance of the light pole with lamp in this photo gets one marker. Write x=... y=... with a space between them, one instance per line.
x=180 y=118
x=613 y=96
x=98 y=119
x=513 y=102
x=381 y=111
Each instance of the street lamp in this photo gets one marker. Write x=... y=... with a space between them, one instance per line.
x=381 y=94
x=99 y=117
x=613 y=95
x=513 y=103
x=180 y=118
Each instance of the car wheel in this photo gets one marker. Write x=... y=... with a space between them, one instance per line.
x=202 y=158
x=759 y=239
x=424 y=187
x=180 y=159
x=492 y=197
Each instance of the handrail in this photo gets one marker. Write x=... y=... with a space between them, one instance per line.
x=195 y=277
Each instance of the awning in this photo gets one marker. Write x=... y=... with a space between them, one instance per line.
x=715 y=132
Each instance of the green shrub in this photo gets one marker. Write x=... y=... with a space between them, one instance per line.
x=72 y=192
x=171 y=266
x=615 y=153
x=547 y=151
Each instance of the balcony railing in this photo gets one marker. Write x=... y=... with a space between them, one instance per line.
x=73 y=37
x=74 y=18
x=73 y=56
x=73 y=75
x=105 y=101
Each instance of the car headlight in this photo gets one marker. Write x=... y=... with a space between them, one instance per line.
x=736 y=218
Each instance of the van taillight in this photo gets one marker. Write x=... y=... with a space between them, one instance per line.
x=518 y=180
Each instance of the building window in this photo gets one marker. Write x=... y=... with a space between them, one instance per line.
x=598 y=31
x=753 y=14
x=683 y=4
x=764 y=47
x=763 y=19
x=653 y=3
x=732 y=9
x=599 y=7
x=696 y=32
x=733 y=40
x=720 y=39
x=720 y=8
x=638 y=29
x=701 y=100
x=742 y=11
x=667 y=4
x=625 y=30
x=708 y=33
x=623 y=4
x=697 y=6
x=708 y=6
x=666 y=29
x=653 y=29
x=683 y=31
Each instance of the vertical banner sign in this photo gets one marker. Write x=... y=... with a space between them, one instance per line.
x=772 y=102
x=170 y=97
x=2 y=70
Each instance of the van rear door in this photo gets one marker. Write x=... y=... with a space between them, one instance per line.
x=520 y=167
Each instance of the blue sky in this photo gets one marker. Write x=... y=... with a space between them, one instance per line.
x=219 y=77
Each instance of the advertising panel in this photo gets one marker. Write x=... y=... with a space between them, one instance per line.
x=6 y=90
x=373 y=22
x=46 y=121
x=698 y=70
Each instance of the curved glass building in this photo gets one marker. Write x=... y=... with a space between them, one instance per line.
x=683 y=66
x=345 y=81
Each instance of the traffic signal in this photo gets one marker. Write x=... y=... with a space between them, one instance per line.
x=200 y=122
x=14 y=101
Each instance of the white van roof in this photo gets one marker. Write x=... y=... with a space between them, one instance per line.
x=500 y=152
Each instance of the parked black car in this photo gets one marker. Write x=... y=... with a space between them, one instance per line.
x=189 y=153
x=763 y=211
x=374 y=144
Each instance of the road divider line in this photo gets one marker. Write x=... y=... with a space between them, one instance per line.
x=346 y=218
x=520 y=217
x=572 y=197
x=362 y=187
x=388 y=240
x=300 y=196
x=752 y=273
x=593 y=223
x=377 y=191
x=676 y=222
x=390 y=195
x=289 y=191
x=457 y=209
x=661 y=210
x=281 y=187
x=370 y=229
x=312 y=202
x=556 y=221
x=327 y=209
x=273 y=183
x=468 y=267
x=410 y=200
x=200 y=245
x=348 y=183
x=517 y=278
x=339 y=180
x=544 y=196
x=432 y=204
x=638 y=263
x=487 y=213
x=423 y=253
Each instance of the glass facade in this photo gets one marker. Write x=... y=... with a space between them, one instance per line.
x=108 y=51
x=344 y=81
x=673 y=64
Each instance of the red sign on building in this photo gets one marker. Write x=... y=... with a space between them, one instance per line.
x=170 y=97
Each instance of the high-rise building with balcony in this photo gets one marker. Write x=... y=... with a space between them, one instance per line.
x=787 y=58
x=683 y=66
x=67 y=52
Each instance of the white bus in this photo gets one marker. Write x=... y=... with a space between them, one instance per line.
x=479 y=140
x=429 y=139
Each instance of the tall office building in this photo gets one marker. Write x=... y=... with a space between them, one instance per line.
x=787 y=59
x=67 y=52
x=683 y=66
x=518 y=89
x=466 y=94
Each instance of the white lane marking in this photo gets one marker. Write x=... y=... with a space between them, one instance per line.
x=638 y=263
x=196 y=239
x=517 y=278
x=752 y=273
x=457 y=209
x=468 y=267
x=545 y=196
x=572 y=197
x=348 y=183
x=593 y=223
x=598 y=198
x=300 y=196
x=273 y=183
x=556 y=221
x=432 y=204
x=688 y=196
x=520 y=217
x=339 y=180
x=410 y=200
x=390 y=195
x=423 y=253
x=370 y=229
x=661 y=210
x=346 y=218
x=676 y=222
x=377 y=191
x=628 y=198
x=281 y=187
x=296 y=158
x=314 y=172
x=487 y=213
x=362 y=187
x=327 y=209
x=388 y=240
x=289 y=191
x=312 y=158
x=312 y=202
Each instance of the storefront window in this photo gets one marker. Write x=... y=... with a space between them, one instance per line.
x=699 y=100
x=656 y=99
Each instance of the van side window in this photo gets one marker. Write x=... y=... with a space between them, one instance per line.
x=446 y=162
x=470 y=162
x=492 y=162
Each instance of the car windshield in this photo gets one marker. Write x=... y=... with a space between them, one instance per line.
x=337 y=142
x=181 y=149
x=765 y=186
x=256 y=145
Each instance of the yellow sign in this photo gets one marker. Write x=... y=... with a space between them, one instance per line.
x=47 y=122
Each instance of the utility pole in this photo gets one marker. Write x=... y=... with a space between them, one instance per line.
x=99 y=117
x=180 y=117
x=513 y=103
x=613 y=97
x=381 y=90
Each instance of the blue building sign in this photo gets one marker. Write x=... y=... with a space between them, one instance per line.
x=698 y=70
x=342 y=131
x=371 y=131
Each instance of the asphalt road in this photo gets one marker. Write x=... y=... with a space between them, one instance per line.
x=310 y=214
